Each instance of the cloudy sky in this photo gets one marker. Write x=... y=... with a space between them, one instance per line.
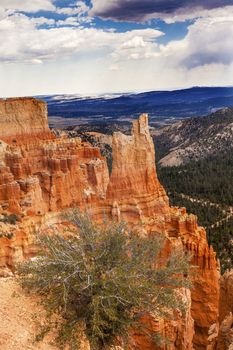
x=99 y=46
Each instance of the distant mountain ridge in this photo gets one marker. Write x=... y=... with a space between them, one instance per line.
x=195 y=138
x=159 y=104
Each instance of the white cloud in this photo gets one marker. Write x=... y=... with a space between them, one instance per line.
x=96 y=60
x=77 y=14
x=114 y=67
x=135 y=42
x=136 y=45
x=80 y=8
x=67 y=10
x=224 y=12
x=36 y=61
x=26 y=41
x=27 y=5
x=70 y=21
x=209 y=41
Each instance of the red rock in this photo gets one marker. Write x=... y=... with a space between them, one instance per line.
x=134 y=188
x=226 y=295
x=224 y=338
x=225 y=335
x=22 y=116
x=40 y=175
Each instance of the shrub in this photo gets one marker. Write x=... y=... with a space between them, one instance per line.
x=9 y=235
x=10 y=219
x=101 y=278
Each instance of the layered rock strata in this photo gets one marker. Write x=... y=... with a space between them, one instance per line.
x=20 y=117
x=41 y=175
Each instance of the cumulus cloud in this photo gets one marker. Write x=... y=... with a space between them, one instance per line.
x=209 y=41
x=27 y=5
x=136 y=45
x=138 y=10
x=110 y=58
x=28 y=42
x=76 y=15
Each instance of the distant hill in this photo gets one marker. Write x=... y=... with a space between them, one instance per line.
x=160 y=105
x=195 y=138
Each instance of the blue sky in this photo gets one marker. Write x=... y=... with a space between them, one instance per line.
x=98 y=46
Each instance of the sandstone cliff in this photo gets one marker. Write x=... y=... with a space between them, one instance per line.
x=226 y=295
x=22 y=116
x=41 y=175
x=225 y=335
x=221 y=333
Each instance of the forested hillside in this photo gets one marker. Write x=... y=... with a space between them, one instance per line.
x=205 y=188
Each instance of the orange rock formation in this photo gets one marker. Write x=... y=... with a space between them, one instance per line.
x=224 y=337
x=40 y=175
x=20 y=117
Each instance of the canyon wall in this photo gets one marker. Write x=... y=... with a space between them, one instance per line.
x=42 y=175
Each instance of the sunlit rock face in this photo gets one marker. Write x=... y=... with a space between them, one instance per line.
x=38 y=172
x=178 y=332
x=134 y=188
x=40 y=175
x=22 y=116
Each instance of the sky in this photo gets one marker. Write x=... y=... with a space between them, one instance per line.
x=92 y=47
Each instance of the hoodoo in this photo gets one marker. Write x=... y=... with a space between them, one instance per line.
x=40 y=176
x=134 y=187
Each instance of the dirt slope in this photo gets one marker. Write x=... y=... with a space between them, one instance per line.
x=19 y=316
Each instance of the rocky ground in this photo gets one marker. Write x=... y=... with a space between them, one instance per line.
x=19 y=317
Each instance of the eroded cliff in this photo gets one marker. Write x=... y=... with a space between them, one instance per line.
x=41 y=175
x=22 y=117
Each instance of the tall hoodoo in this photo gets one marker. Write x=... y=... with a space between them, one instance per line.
x=134 y=187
